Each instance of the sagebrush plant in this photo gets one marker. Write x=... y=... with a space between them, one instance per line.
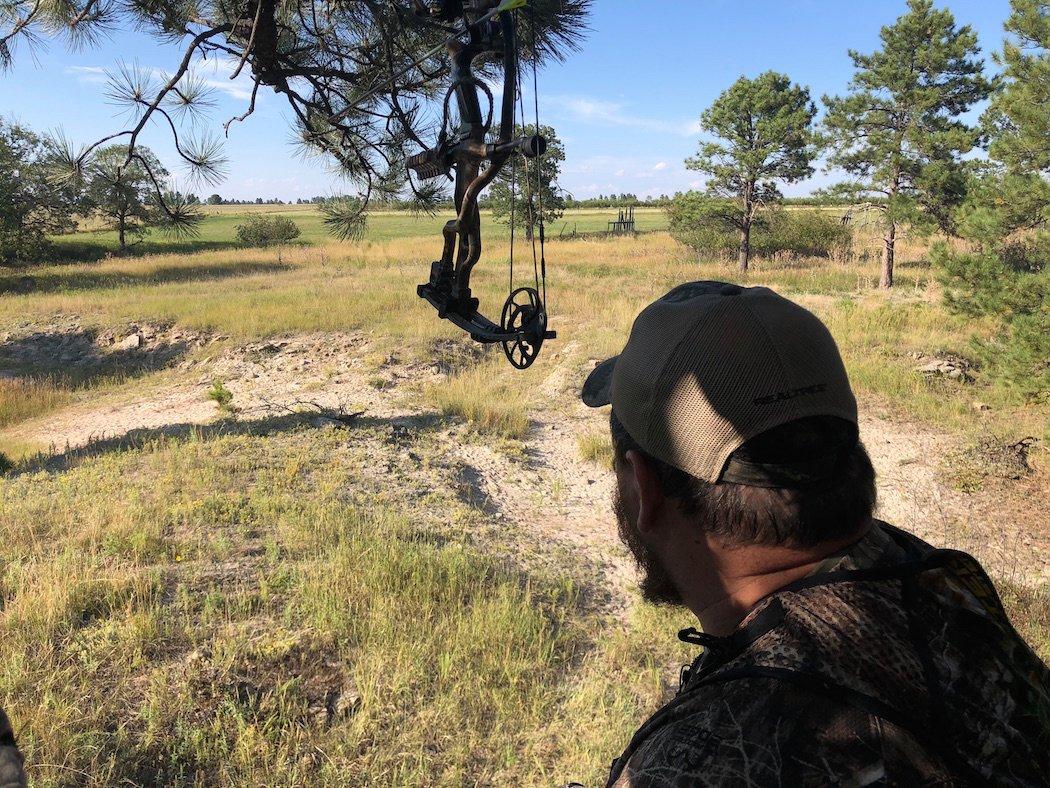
x=262 y=230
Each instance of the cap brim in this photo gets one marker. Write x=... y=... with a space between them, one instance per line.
x=597 y=389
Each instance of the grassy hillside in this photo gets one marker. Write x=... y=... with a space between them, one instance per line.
x=597 y=285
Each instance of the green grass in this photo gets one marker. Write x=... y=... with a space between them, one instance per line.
x=193 y=634
x=218 y=230
x=596 y=447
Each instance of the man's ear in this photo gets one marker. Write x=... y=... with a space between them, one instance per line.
x=642 y=476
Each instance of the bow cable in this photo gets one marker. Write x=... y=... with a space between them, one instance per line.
x=539 y=159
x=528 y=180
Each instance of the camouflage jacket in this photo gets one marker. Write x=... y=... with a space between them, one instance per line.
x=11 y=773
x=894 y=664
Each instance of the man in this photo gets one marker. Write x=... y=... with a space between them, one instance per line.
x=836 y=649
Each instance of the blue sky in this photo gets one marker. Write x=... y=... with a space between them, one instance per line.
x=626 y=106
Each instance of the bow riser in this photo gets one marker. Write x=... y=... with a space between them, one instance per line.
x=524 y=325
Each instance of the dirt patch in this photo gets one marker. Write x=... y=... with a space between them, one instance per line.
x=559 y=501
x=68 y=351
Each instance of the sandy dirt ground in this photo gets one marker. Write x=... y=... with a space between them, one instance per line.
x=547 y=490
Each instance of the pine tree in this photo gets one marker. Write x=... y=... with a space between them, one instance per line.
x=522 y=192
x=1005 y=216
x=762 y=132
x=33 y=204
x=124 y=195
x=1019 y=117
x=898 y=130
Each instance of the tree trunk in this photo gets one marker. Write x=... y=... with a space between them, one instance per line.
x=744 y=256
x=120 y=233
x=886 y=281
x=887 y=255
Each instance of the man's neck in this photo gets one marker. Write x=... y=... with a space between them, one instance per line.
x=740 y=577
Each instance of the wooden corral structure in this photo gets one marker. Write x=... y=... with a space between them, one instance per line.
x=624 y=225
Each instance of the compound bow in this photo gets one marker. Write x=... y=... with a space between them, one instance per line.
x=480 y=28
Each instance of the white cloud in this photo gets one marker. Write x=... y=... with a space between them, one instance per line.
x=614 y=113
x=214 y=73
x=662 y=165
x=95 y=74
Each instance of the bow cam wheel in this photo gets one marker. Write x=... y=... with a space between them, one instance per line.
x=525 y=317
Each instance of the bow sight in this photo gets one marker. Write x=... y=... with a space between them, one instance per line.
x=479 y=28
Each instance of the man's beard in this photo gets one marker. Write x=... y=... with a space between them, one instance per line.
x=656 y=584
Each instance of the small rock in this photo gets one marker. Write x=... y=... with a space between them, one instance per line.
x=130 y=342
x=980 y=407
x=345 y=705
x=319 y=713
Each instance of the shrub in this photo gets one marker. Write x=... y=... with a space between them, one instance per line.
x=703 y=224
x=23 y=246
x=803 y=234
x=267 y=230
x=707 y=225
x=221 y=396
x=1011 y=284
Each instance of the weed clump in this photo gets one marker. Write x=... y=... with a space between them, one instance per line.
x=221 y=396
x=596 y=447
x=485 y=402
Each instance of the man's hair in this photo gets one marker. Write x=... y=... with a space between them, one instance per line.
x=798 y=516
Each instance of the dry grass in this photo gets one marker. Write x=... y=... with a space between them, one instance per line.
x=278 y=611
x=597 y=287
x=486 y=401
x=26 y=398
x=596 y=447
x=320 y=607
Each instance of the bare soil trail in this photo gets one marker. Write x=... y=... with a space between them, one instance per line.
x=547 y=492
